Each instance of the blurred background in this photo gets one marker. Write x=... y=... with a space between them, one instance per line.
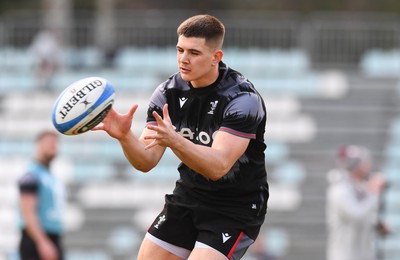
x=329 y=72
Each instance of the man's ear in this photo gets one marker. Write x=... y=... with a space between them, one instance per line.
x=217 y=57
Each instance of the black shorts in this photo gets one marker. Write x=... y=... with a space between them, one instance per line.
x=183 y=225
x=28 y=249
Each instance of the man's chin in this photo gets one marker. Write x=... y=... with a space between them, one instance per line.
x=186 y=77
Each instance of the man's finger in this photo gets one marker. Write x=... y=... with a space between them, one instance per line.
x=166 y=113
x=157 y=117
x=152 y=144
x=98 y=127
x=132 y=110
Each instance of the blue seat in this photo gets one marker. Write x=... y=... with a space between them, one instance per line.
x=161 y=61
x=392 y=202
x=128 y=58
x=381 y=63
x=124 y=239
x=276 y=152
x=20 y=59
x=305 y=85
x=89 y=254
x=390 y=248
x=16 y=81
x=289 y=172
x=12 y=255
x=92 y=57
x=391 y=171
x=392 y=151
x=267 y=62
x=23 y=148
x=277 y=241
x=85 y=172
x=107 y=151
x=83 y=58
x=64 y=78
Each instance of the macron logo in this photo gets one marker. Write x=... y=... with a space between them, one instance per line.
x=225 y=237
x=182 y=101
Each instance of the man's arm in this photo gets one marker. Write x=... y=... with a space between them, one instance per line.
x=353 y=209
x=118 y=126
x=212 y=162
x=135 y=151
x=45 y=247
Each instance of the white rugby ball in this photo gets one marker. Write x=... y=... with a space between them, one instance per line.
x=83 y=105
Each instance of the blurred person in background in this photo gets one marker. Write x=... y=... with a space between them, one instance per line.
x=42 y=198
x=213 y=119
x=46 y=51
x=353 y=199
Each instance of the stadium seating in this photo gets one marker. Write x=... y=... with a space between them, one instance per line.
x=310 y=113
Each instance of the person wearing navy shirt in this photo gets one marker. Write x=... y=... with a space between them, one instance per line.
x=41 y=204
x=213 y=119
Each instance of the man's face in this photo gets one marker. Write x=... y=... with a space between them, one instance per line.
x=365 y=169
x=362 y=171
x=48 y=147
x=196 y=61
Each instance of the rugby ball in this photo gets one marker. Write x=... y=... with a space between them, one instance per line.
x=83 y=105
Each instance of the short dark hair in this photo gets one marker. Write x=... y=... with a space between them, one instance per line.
x=203 y=26
x=45 y=133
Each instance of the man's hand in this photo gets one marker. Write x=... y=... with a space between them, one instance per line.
x=377 y=183
x=165 y=132
x=117 y=125
x=47 y=250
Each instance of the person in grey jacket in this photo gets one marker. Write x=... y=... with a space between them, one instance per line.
x=353 y=206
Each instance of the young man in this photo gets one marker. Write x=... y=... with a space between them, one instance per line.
x=213 y=119
x=353 y=207
x=41 y=204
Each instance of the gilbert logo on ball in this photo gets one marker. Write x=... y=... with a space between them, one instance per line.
x=83 y=105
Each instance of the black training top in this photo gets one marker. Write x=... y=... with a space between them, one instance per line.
x=230 y=104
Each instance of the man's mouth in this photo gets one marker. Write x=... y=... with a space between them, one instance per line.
x=184 y=70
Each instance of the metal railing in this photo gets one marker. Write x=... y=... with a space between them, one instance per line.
x=336 y=39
